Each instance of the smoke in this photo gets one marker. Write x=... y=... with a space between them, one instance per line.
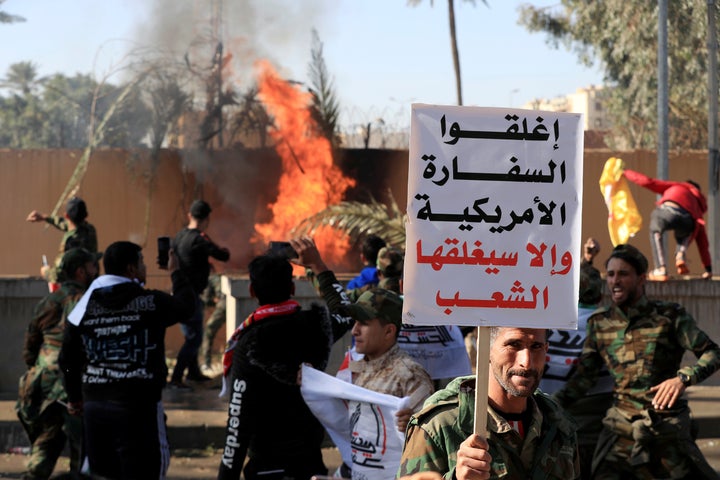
x=277 y=30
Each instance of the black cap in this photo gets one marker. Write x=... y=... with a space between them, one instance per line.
x=76 y=209
x=74 y=259
x=200 y=209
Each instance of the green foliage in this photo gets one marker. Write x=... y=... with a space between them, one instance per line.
x=61 y=111
x=358 y=220
x=325 y=109
x=8 y=17
x=622 y=37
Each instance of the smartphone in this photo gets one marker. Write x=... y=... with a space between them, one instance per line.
x=163 y=247
x=282 y=249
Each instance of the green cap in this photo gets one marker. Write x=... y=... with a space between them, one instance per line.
x=390 y=261
x=73 y=259
x=378 y=303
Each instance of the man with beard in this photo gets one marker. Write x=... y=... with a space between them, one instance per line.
x=646 y=432
x=40 y=406
x=528 y=435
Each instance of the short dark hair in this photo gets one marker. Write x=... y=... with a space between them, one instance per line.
x=119 y=255
x=271 y=279
x=371 y=246
x=694 y=184
x=631 y=255
x=200 y=209
x=76 y=210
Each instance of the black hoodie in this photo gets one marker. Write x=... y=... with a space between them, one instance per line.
x=117 y=352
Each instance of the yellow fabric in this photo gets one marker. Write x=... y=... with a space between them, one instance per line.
x=624 y=220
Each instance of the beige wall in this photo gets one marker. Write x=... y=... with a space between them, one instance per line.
x=239 y=184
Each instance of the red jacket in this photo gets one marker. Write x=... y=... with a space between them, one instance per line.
x=688 y=197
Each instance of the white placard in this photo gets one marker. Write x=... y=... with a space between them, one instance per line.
x=494 y=217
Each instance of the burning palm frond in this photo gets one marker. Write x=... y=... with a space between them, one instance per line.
x=358 y=219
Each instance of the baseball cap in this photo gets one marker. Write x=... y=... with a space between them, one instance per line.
x=75 y=258
x=200 y=209
x=390 y=261
x=377 y=303
x=76 y=209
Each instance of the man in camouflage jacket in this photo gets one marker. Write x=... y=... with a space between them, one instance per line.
x=78 y=232
x=647 y=430
x=40 y=406
x=528 y=436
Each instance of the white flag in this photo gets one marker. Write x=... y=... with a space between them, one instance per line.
x=360 y=422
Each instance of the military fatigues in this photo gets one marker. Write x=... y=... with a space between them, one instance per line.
x=212 y=296
x=393 y=373
x=83 y=236
x=46 y=421
x=549 y=450
x=643 y=348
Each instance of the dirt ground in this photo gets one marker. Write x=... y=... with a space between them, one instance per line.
x=184 y=465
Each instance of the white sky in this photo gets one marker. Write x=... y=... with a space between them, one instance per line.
x=383 y=54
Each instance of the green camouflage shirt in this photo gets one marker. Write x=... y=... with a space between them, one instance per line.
x=548 y=451
x=83 y=236
x=42 y=384
x=641 y=349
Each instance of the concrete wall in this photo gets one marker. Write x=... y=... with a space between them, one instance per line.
x=18 y=297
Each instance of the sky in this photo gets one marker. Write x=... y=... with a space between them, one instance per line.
x=383 y=55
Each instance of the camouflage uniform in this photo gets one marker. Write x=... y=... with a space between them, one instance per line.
x=46 y=421
x=83 y=236
x=212 y=296
x=643 y=348
x=393 y=373
x=549 y=450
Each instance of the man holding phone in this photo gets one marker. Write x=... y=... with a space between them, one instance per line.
x=194 y=248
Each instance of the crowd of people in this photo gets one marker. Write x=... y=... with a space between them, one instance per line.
x=610 y=407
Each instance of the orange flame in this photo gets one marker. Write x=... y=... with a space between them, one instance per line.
x=310 y=180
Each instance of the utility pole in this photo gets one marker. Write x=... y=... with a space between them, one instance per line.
x=218 y=34
x=662 y=105
x=662 y=102
x=713 y=201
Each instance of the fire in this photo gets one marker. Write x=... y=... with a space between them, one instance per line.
x=310 y=180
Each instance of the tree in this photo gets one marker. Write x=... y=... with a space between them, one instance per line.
x=325 y=107
x=8 y=17
x=61 y=111
x=453 y=42
x=622 y=37
x=21 y=78
x=359 y=219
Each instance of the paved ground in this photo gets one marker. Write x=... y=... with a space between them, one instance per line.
x=196 y=421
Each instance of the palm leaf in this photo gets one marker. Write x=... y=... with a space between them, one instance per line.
x=357 y=220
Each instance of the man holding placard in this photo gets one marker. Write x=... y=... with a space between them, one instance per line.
x=527 y=432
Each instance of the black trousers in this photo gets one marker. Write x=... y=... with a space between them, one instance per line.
x=126 y=442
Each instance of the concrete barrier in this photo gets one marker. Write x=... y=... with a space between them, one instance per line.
x=20 y=294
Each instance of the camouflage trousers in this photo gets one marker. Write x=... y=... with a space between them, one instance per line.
x=657 y=445
x=213 y=325
x=48 y=434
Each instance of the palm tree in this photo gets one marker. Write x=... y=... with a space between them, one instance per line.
x=357 y=220
x=8 y=17
x=453 y=42
x=21 y=77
